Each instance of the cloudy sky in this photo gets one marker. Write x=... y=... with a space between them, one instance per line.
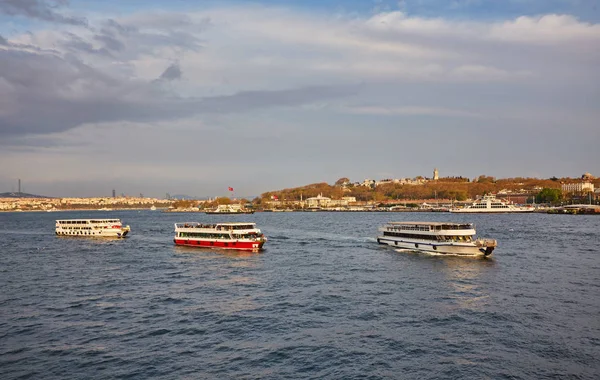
x=149 y=96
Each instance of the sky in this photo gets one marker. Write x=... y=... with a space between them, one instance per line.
x=184 y=97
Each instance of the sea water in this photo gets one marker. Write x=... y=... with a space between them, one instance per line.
x=323 y=300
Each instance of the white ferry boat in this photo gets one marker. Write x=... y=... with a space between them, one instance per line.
x=240 y=236
x=434 y=237
x=92 y=227
x=489 y=203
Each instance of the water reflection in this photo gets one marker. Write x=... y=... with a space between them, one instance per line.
x=225 y=274
x=464 y=284
x=212 y=252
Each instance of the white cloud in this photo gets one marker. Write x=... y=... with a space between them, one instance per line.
x=547 y=29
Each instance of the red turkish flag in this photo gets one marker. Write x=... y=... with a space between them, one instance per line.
x=230 y=188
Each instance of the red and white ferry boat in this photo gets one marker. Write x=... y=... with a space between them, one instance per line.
x=241 y=236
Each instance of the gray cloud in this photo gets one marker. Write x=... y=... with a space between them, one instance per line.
x=39 y=9
x=75 y=43
x=110 y=42
x=125 y=42
x=3 y=41
x=46 y=93
x=172 y=72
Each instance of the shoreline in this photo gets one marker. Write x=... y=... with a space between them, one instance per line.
x=542 y=211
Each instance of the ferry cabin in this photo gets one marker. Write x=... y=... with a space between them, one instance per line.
x=435 y=232
x=494 y=205
x=231 y=232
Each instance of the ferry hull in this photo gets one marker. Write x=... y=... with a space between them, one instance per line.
x=450 y=249
x=106 y=233
x=228 y=212
x=489 y=211
x=221 y=244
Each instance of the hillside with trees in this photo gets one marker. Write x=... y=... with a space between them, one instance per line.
x=450 y=188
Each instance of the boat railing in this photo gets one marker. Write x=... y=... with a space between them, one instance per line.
x=444 y=227
x=215 y=226
x=195 y=225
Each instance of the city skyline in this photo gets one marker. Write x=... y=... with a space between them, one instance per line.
x=157 y=96
x=420 y=179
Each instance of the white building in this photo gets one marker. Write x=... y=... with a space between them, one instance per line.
x=368 y=183
x=324 y=202
x=318 y=201
x=579 y=187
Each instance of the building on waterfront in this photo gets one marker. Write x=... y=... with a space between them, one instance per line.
x=318 y=201
x=325 y=202
x=578 y=187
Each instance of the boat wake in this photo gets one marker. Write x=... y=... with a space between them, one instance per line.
x=406 y=250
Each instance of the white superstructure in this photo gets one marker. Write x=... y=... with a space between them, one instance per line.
x=91 y=227
x=489 y=203
x=437 y=238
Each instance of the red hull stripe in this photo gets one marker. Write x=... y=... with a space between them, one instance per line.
x=245 y=245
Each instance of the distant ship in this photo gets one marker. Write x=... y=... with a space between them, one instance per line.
x=230 y=209
x=489 y=203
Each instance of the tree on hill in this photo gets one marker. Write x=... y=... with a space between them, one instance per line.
x=342 y=181
x=223 y=201
x=549 y=196
x=453 y=188
x=453 y=179
x=485 y=179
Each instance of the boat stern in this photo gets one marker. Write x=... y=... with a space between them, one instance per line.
x=486 y=246
x=125 y=230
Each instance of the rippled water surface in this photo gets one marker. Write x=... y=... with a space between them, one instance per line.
x=324 y=300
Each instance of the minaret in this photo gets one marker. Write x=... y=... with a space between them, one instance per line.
x=19 y=185
x=436 y=174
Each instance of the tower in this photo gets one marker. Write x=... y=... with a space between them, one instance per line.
x=114 y=193
x=436 y=174
x=19 y=185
